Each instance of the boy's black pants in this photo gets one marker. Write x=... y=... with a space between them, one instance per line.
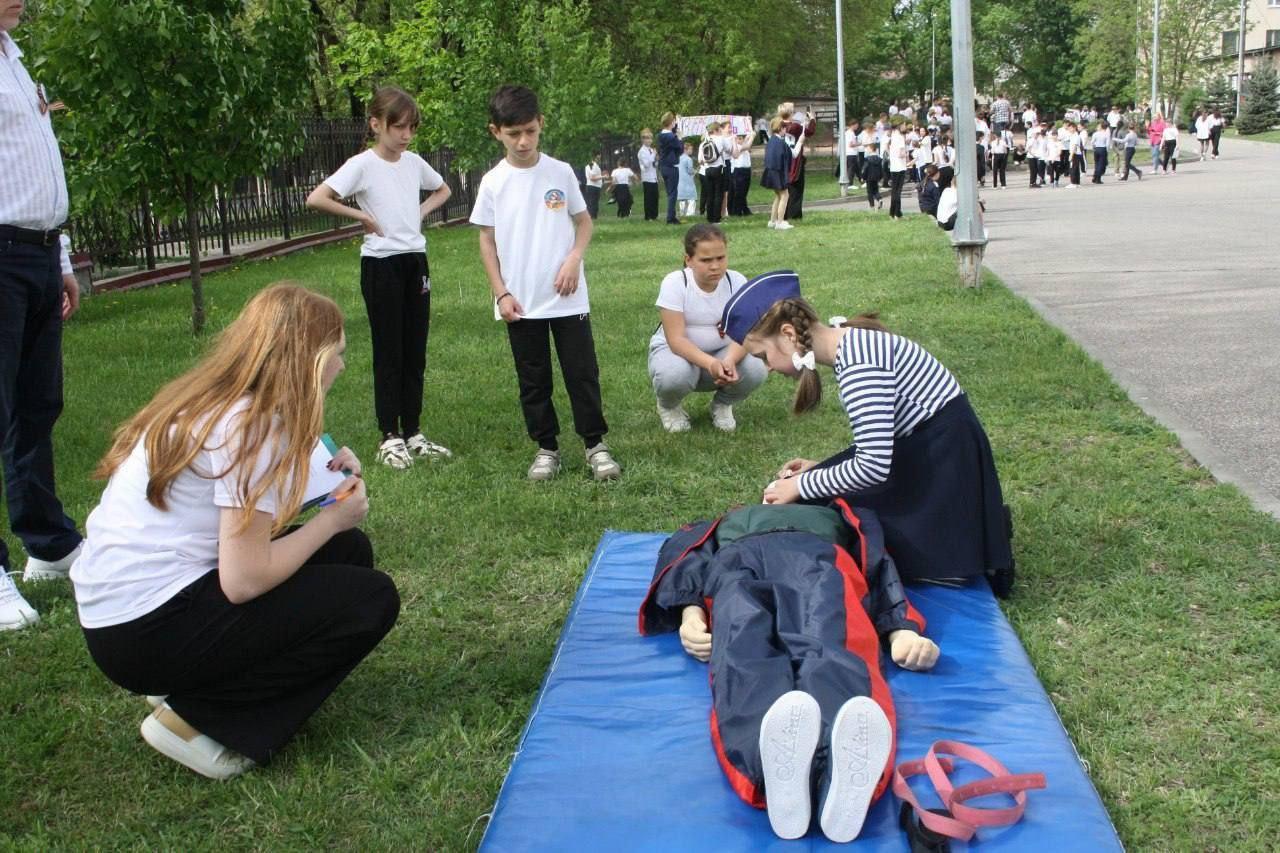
x=622 y=195
x=999 y=165
x=715 y=192
x=249 y=675
x=576 y=351
x=397 y=296
x=650 y=200
x=741 y=179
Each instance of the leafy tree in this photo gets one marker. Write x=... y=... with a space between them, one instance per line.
x=1220 y=96
x=1260 y=109
x=451 y=56
x=169 y=98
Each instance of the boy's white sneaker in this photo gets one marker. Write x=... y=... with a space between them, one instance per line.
x=419 y=445
x=675 y=419
x=788 y=739
x=722 y=417
x=603 y=465
x=50 y=570
x=15 y=613
x=861 y=740
x=172 y=737
x=394 y=453
x=546 y=464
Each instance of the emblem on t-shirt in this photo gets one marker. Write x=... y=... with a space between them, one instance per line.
x=554 y=199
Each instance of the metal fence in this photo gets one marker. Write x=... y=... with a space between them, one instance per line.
x=129 y=238
x=250 y=210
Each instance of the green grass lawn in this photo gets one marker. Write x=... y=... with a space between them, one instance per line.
x=1147 y=595
x=1265 y=136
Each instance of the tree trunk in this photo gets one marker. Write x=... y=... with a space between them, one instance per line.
x=193 y=249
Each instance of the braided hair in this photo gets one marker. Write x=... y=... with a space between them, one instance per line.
x=799 y=314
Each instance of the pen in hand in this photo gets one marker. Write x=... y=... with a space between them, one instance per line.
x=341 y=496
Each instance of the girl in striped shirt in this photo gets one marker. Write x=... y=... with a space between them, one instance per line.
x=920 y=458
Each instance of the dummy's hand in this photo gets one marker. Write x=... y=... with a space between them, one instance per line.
x=909 y=650
x=510 y=308
x=348 y=512
x=794 y=467
x=694 y=635
x=70 y=295
x=782 y=491
x=345 y=460
x=370 y=224
x=567 y=277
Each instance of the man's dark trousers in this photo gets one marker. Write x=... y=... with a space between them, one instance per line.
x=31 y=397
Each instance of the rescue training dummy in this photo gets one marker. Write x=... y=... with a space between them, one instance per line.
x=790 y=605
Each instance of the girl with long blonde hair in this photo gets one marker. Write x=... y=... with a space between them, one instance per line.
x=193 y=587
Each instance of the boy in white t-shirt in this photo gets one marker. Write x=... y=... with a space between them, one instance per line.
x=622 y=178
x=534 y=230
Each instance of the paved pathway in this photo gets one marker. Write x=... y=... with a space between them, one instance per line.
x=1173 y=284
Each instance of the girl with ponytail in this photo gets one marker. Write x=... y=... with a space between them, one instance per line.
x=920 y=458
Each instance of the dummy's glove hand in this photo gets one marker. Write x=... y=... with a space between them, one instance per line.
x=909 y=650
x=694 y=635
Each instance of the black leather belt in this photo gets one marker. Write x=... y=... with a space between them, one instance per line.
x=30 y=235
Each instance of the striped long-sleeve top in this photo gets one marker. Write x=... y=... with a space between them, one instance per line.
x=889 y=385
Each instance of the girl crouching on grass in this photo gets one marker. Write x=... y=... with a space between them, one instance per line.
x=193 y=588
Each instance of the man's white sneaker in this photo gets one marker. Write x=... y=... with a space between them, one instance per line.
x=603 y=465
x=546 y=464
x=675 y=419
x=15 y=613
x=394 y=454
x=722 y=417
x=172 y=737
x=50 y=570
x=861 y=740
x=419 y=445
x=788 y=738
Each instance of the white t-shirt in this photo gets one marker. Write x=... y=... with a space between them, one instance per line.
x=702 y=311
x=897 y=153
x=622 y=175
x=945 y=119
x=850 y=141
x=1113 y=119
x=531 y=213
x=137 y=557
x=743 y=160
x=648 y=160
x=948 y=204
x=1170 y=132
x=1204 y=127
x=595 y=177
x=389 y=192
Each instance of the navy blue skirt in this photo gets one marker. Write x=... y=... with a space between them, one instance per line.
x=774 y=179
x=941 y=507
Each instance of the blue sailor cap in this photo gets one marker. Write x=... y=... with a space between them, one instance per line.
x=745 y=308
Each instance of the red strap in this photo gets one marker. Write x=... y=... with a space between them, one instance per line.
x=965 y=819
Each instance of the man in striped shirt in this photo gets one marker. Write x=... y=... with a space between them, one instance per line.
x=37 y=293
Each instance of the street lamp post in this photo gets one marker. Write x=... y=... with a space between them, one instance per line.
x=1240 y=64
x=969 y=237
x=1155 y=58
x=840 y=128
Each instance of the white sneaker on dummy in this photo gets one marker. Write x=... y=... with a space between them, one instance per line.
x=861 y=740
x=788 y=738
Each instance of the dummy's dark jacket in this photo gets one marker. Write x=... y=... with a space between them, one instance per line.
x=800 y=599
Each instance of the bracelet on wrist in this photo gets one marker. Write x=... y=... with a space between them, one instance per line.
x=503 y=296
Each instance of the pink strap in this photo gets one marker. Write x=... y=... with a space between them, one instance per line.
x=965 y=819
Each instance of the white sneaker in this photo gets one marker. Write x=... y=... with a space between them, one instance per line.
x=675 y=419
x=861 y=740
x=15 y=613
x=722 y=417
x=788 y=738
x=394 y=454
x=546 y=464
x=603 y=465
x=419 y=445
x=783 y=226
x=772 y=224
x=156 y=701
x=50 y=570
x=190 y=748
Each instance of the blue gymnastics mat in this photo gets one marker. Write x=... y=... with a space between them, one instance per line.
x=617 y=753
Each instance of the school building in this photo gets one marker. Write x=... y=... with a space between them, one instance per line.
x=1261 y=39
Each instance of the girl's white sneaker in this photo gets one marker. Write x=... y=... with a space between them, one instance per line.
x=172 y=737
